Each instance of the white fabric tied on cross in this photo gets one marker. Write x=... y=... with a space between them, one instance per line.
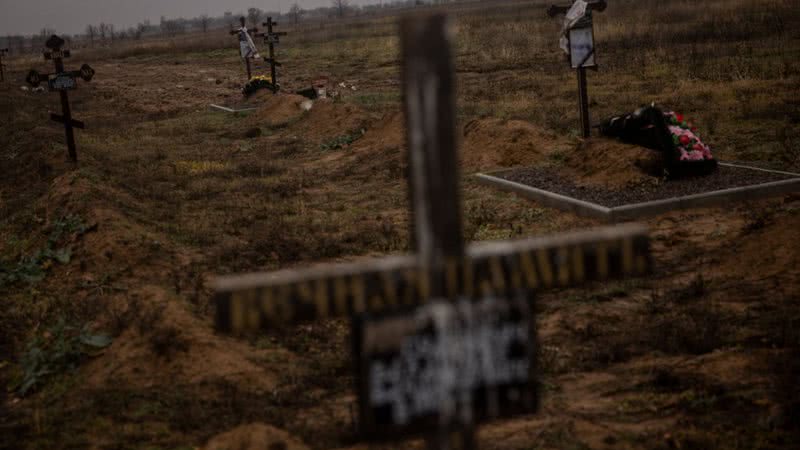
x=578 y=16
x=247 y=48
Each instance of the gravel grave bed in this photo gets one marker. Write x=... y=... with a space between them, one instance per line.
x=724 y=178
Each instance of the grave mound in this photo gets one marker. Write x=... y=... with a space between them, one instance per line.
x=328 y=121
x=496 y=143
x=611 y=164
x=387 y=133
x=275 y=110
x=255 y=436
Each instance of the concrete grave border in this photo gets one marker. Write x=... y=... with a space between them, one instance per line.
x=645 y=209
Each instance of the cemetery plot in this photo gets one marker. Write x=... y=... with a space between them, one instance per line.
x=698 y=355
x=444 y=340
x=731 y=182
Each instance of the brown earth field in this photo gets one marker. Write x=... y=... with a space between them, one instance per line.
x=167 y=194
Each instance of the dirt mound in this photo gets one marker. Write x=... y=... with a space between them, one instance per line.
x=167 y=342
x=330 y=121
x=275 y=110
x=770 y=252
x=388 y=133
x=496 y=143
x=256 y=436
x=611 y=164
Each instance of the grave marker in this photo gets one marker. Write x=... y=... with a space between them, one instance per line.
x=579 y=36
x=3 y=52
x=247 y=49
x=272 y=38
x=62 y=81
x=443 y=339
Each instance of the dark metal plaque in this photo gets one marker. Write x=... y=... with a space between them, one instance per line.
x=446 y=365
x=62 y=82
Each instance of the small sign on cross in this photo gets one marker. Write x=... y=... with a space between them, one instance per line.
x=444 y=339
x=62 y=81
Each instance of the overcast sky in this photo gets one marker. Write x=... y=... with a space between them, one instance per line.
x=72 y=16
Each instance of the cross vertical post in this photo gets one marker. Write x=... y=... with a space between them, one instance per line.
x=66 y=112
x=272 y=72
x=433 y=181
x=583 y=102
x=3 y=51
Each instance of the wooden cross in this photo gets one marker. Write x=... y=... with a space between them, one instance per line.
x=241 y=51
x=581 y=45
x=272 y=38
x=444 y=339
x=62 y=81
x=3 y=51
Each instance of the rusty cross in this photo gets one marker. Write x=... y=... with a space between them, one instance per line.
x=444 y=339
x=62 y=81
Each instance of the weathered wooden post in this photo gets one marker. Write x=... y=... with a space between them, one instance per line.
x=62 y=81
x=578 y=42
x=272 y=38
x=444 y=339
x=247 y=49
x=3 y=52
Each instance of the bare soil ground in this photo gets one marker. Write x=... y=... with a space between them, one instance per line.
x=705 y=353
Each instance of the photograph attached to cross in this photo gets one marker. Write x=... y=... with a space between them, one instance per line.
x=62 y=81
x=444 y=339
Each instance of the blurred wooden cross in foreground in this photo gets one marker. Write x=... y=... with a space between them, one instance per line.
x=3 y=52
x=443 y=339
x=62 y=81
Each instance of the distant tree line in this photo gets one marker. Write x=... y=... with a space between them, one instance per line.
x=103 y=34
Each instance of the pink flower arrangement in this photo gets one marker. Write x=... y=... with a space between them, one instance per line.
x=685 y=139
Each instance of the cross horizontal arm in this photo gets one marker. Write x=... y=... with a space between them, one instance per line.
x=594 y=5
x=75 y=123
x=255 y=301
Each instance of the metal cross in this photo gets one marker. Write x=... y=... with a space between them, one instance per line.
x=62 y=81
x=272 y=38
x=444 y=339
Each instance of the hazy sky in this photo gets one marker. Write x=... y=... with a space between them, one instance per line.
x=72 y=16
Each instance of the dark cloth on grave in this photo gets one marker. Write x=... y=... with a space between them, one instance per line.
x=684 y=155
